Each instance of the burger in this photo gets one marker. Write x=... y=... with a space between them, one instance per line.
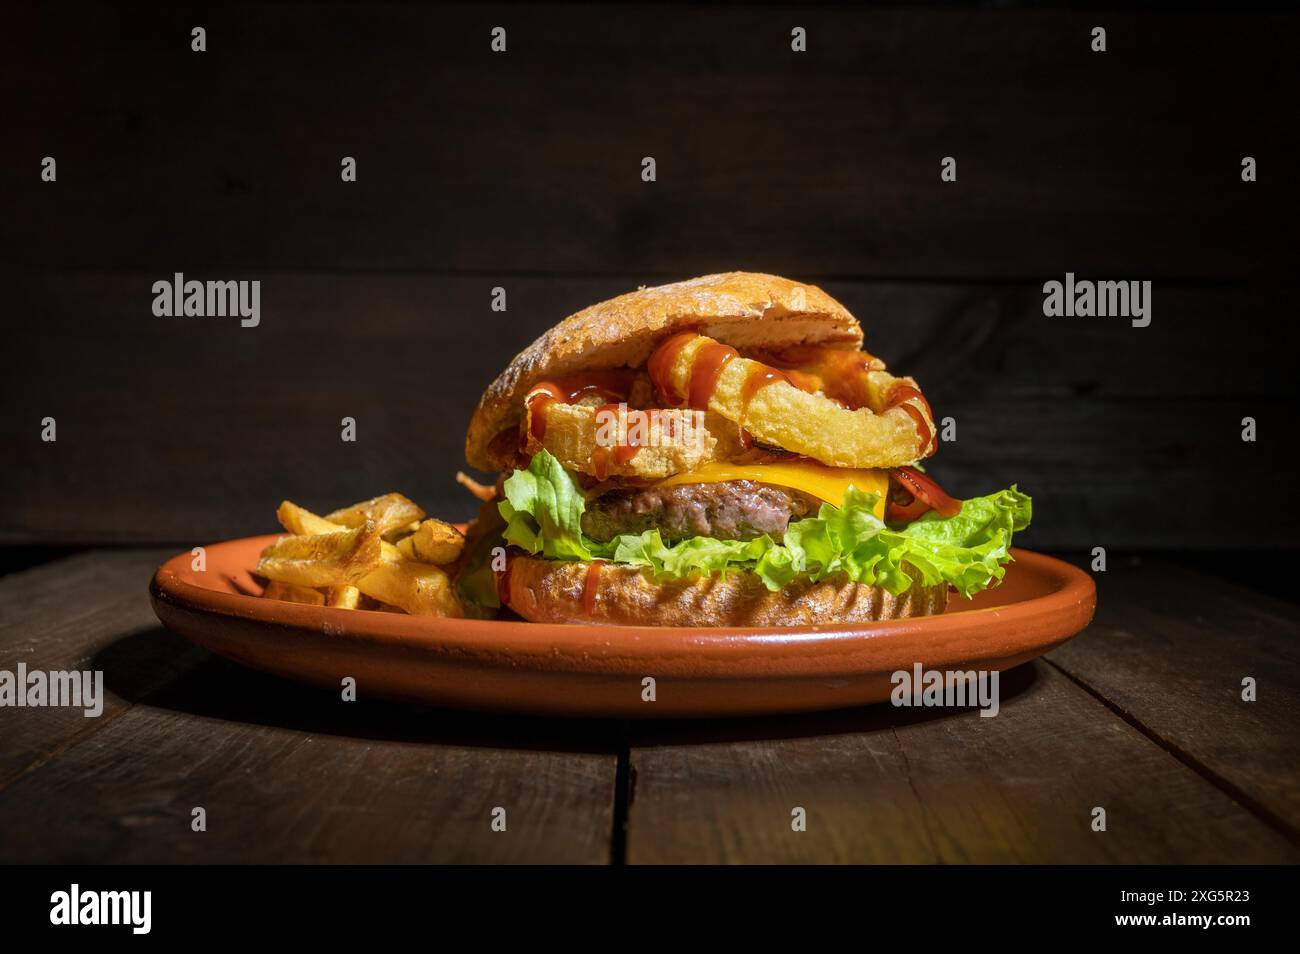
x=718 y=452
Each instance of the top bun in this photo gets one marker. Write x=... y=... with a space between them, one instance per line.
x=746 y=310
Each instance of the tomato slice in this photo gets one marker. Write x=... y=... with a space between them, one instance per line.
x=897 y=511
x=925 y=493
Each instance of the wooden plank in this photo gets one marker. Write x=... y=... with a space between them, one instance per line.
x=285 y=773
x=216 y=424
x=1169 y=649
x=886 y=785
x=816 y=163
x=88 y=612
x=252 y=416
x=15 y=558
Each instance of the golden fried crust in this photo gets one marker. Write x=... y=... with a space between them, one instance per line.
x=812 y=425
x=550 y=591
x=747 y=310
x=675 y=440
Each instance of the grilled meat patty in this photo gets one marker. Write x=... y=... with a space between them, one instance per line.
x=726 y=510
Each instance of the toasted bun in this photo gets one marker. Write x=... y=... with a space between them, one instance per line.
x=743 y=309
x=549 y=591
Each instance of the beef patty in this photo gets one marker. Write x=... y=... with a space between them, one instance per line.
x=727 y=510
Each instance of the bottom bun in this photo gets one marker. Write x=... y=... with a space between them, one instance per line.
x=550 y=591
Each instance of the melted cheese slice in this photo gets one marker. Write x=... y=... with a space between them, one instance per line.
x=824 y=483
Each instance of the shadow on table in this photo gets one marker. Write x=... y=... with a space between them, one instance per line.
x=157 y=668
x=875 y=718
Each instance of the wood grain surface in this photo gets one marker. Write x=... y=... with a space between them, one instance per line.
x=1139 y=715
x=64 y=616
x=193 y=430
x=886 y=785
x=1195 y=641
x=522 y=170
x=814 y=164
x=284 y=773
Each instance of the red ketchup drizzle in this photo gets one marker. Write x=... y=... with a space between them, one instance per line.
x=624 y=452
x=804 y=381
x=706 y=368
x=610 y=385
x=503 y=583
x=620 y=453
x=590 y=584
x=841 y=374
x=660 y=366
x=542 y=397
x=899 y=395
x=754 y=382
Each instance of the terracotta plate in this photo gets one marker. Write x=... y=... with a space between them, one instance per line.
x=598 y=671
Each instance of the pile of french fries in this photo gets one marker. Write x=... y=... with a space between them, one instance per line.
x=381 y=554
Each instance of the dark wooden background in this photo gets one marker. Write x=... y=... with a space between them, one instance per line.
x=523 y=170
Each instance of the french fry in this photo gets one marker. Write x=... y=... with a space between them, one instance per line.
x=302 y=521
x=348 y=560
x=397 y=534
x=484 y=492
x=326 y=559
x=434 y=542
x=418 y=588
x=275 y=590
x=388 y=512
x=343 y=597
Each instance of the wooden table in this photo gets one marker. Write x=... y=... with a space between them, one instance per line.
x=1141 y=715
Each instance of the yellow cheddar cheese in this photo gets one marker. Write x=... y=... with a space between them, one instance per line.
x=824 y=483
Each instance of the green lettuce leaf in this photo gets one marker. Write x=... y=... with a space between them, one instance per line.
x=543 y=511
x=477 y=582
x=968 y=550
x=544 y=506
x=688 y=557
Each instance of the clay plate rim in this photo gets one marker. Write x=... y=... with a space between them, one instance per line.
x=1061 y=603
